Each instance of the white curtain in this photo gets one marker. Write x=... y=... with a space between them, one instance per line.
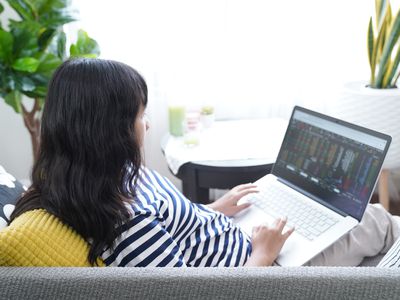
x=249 y=58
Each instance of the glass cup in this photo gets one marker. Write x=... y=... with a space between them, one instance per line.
x=176 y=116
x=192 y=130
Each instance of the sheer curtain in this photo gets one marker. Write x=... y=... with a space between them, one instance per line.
x=249 y=58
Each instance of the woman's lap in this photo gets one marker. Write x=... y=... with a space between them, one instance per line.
x=375 y=234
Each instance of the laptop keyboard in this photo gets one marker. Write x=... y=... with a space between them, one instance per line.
x=307 y=220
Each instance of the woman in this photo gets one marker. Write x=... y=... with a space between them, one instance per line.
x=90 y=175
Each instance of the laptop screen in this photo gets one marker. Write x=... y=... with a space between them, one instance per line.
x=334 y=162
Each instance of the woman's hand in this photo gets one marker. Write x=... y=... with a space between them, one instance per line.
x=227 y=204
x=267 y=242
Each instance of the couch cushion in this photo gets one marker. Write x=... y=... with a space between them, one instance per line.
x=37 y=238
x=10 y=190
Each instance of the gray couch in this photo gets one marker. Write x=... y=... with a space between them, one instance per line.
x=196 y=283
x=200 y=283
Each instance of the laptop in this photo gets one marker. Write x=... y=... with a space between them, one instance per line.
x=322 y=180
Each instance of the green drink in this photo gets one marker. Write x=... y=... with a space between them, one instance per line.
x=176 y=116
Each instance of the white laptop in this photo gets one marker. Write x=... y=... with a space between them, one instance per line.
x=322 y=180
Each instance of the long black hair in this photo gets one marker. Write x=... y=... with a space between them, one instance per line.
x=89 y=150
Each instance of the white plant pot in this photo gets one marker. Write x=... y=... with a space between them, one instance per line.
x=207 y=120
x=377 y=109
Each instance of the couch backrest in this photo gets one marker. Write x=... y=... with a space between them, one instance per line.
x=200 y=283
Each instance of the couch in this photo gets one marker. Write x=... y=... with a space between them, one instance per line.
x=200 y=283
x=30 y=240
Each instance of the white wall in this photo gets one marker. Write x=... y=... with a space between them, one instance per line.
x=311 y=47
x=15 y=146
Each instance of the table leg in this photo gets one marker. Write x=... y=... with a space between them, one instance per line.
x=384 y=189
x=191 y=189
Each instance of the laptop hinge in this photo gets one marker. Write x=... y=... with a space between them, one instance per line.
x=309 y=195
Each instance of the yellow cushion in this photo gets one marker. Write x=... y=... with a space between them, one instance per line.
x=37 y=238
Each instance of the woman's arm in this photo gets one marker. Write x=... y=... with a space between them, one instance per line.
x=266 y=240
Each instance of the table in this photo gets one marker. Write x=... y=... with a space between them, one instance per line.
x=250 y=146
x=199 y=178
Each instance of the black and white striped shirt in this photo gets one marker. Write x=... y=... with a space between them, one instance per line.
x=392 y=258
x=166 y=229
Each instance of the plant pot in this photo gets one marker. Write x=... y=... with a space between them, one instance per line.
x=377 y=109
x=207 y=120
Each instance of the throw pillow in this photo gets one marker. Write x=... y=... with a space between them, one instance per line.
x=10 y=190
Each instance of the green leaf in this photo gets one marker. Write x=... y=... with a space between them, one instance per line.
x=27 y=84
x=23 y=8
x=45 y=6
x=45 y=38
x=378 y=45
x=40 y=4
x=387 y=24
x=389 y=45
x=19 y=81
x=61 y=42
x=9 y=81
x=85 y=46
x=381 y=12
x=26 y=64
x=73 y=50
x=1 y=8
x=48 y=63
x=377 y=10
x=40 y=79
x=42 y=99
x=39 y=92
x=6 y=45
x=14 y=100
x=55 y=20
x=25 y=38
x=371 y=47
x=396 y=77
x=393 y=69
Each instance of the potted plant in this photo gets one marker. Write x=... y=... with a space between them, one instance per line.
x=207 y=116
x=31 y=48
x=376 y=104
x=383 y=56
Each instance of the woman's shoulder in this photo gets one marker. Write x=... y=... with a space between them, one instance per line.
x=151 y=197
x=153 y=182
x=152 y=175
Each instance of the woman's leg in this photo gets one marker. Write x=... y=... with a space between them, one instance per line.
x=375 y=234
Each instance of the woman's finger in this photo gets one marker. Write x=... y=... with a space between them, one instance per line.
x=288 y=233
x=245 y=186
x=241 y=207
x=264 y=224
x=276 y=222
x=281 y=224
x=245 y=192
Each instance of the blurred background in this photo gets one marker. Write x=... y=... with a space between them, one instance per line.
x=248 y=58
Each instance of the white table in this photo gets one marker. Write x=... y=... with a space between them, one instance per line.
x=229 y=153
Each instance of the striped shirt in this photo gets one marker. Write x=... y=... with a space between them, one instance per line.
x=392 y=258
x=167 y=230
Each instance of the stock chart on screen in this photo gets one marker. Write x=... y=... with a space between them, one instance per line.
x=333 y=162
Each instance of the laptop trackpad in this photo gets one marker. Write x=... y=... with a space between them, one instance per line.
x=251 y=217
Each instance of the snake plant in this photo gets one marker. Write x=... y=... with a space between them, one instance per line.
x=383 y=46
